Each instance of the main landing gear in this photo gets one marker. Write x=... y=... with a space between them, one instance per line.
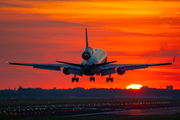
x=109 y=79
x=92 y=79
x=75 y=79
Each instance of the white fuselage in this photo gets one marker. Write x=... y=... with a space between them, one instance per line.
x=99 y=56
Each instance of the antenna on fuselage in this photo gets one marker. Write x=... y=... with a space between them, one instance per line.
x=86 y=38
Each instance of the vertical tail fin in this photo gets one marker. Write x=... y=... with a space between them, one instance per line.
x=86 y=38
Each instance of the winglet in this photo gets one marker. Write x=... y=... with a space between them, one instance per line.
x=173 y=59
x=6 y=59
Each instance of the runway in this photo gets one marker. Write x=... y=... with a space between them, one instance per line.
x=66 y=110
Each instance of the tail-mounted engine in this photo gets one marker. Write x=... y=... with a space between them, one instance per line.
x=120 y=71
x=87 y=53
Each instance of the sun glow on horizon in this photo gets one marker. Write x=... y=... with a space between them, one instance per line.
x=134 y=86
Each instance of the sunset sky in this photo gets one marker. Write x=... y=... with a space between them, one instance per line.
x=130 y=31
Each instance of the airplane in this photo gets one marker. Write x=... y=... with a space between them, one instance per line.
x=94 y=62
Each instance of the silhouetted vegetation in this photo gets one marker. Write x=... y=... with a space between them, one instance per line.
x=39 y=93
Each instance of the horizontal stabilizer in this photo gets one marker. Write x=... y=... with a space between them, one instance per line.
x=102 y=64
x=70 y=63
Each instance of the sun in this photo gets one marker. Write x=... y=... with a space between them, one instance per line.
x=134 y=86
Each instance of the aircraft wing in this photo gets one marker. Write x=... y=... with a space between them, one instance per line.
x=44 y=66
x=125 y=67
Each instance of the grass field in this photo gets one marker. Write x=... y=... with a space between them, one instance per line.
x=28 y=102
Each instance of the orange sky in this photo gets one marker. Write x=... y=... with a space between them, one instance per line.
x=130 y=31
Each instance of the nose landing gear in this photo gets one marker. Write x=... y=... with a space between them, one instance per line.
x=109 y=79
x=75 y=79
x=92 y=79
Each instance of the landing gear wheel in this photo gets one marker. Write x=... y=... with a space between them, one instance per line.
x=111 y=79
x=92 y=79
x=72 y=79
x=77 y=79
x=107 y=79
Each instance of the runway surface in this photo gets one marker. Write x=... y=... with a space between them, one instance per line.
x=139 y=108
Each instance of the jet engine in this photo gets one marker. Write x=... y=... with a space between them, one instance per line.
x=87 y=53
x=65 y=71
x=120 y=71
